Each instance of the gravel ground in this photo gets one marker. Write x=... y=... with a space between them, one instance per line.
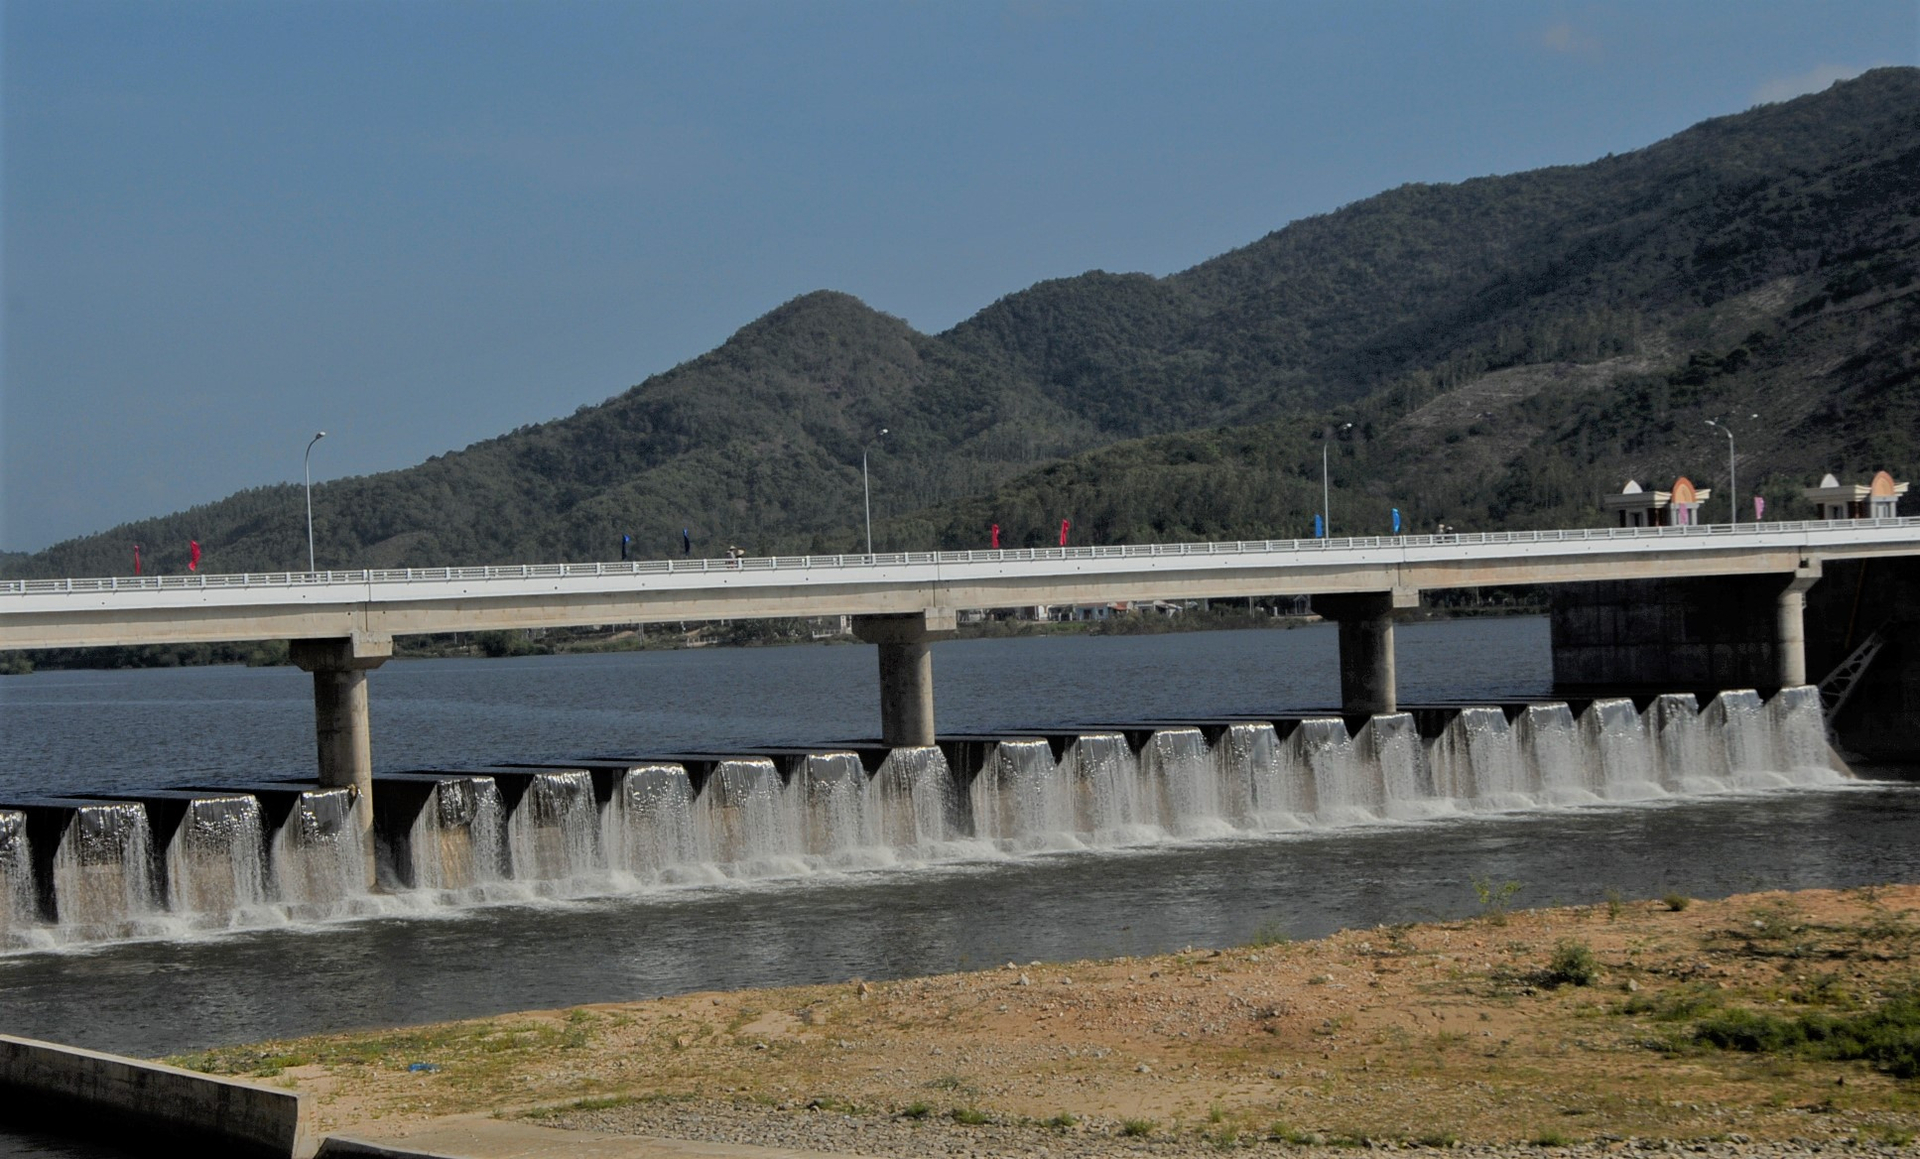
x=941 y=1138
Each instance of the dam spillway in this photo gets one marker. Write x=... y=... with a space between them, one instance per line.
x=181 y=861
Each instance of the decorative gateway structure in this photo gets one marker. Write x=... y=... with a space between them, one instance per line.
x=1879 y=499
x=1679 y=507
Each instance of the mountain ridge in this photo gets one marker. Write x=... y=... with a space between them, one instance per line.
x=1797 y=222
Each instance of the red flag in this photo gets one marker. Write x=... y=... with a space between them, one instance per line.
x=136 y=559
x=996 y=537
x=1064 y=524
x=193 y=555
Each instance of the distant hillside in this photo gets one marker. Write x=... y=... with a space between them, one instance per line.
x=1505 y=349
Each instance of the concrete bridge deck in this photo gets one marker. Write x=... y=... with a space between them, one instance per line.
x=58 y=613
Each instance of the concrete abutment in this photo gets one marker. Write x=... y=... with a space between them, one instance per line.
x=343 y=733
x=1367 y=677
x=906 y=670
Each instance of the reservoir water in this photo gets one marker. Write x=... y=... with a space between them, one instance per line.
x=1633 y=824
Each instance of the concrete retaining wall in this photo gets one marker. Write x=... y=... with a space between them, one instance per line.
x=130 y=1102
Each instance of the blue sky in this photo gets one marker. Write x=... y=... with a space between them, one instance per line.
x=419 y=224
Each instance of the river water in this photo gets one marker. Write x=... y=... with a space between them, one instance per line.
x=70 y=732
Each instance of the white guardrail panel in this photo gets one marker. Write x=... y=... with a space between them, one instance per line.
x=893 y=568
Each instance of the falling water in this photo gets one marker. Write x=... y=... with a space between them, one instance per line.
x=103 y=870
x=217 y=859
x=1389 y=746
x=552 y=831
x=318 y=856
x=1332 y=790
x=1743 y=750
x=912 y=797
x=1681 y=745
x=650 y=833
x=1800 y=734
x=458 y=839
x=831 y=789
x=1111 y=808
x=748 y=826
x=1475 y=761
x=1021 y=799
x=1619 y=757
x=1183 y=783
x=1242 y=756
x=16 y=877
x=466 y=831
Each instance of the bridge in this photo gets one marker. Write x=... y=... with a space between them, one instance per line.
x=342 y=624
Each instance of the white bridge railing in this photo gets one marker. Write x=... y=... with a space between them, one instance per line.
x=1708 y=536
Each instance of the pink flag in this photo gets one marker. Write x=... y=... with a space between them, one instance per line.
x=193 y=555
x=1064 y=524
x=996 y=537
x=1759 y=508
x=136 y=559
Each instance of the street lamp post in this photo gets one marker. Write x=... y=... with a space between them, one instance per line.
x=309 y=472
x=1733 y=491
x=1326 y=488
x=866 y=489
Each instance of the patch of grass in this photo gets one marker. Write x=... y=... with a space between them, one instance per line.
x=1439 y=1139
x=916 y=1111
x=969 y=1116
x=1888 y=1037
x=1268 y=933
x=1138 y=1128
x=1549 y=1137
x=1063 y=1121
x=1495 y=899
x=1615 y=903
x=1676 y=901
x=599 y=1104
x=1282 y=1132
x=1573 y=964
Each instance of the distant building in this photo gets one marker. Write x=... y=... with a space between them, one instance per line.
x=1634 y=507
x=1879 y=499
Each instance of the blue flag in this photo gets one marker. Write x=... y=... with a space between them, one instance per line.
x=1319 y=528
x=686 y=542
x=1396 y=521
x=625 y=542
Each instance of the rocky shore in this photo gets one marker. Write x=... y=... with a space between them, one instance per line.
x=1766 y=1024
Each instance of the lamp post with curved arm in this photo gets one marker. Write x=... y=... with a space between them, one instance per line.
x=309 y=472
x=866 y=489
x=1733 y=491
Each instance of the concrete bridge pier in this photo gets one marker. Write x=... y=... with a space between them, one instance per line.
x=1367 y=682
x=906 y=670
x=1790 y=632
x=340 y=725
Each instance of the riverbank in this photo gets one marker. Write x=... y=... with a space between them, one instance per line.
x=1764 y=1022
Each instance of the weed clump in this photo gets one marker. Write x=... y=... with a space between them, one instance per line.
x=1676 y=901
x=1573 y=965
x=1887 y=1037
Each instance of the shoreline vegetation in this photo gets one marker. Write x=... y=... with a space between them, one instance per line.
x=1768 y=1023
x=1222 y=615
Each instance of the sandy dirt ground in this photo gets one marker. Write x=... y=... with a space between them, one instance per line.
x=1431 y=1035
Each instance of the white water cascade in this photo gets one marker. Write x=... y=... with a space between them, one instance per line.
x=103 y=871
x=510 y=832
x=217 y=859
x=458 y=839
x=17 y=903
x=316 y=856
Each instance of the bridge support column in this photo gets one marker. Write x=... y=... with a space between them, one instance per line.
x=1790 y=633
x=1366 y=646
x=340 y=724
x=906 y=670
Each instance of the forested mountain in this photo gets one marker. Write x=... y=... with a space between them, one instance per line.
x=1504 y=349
